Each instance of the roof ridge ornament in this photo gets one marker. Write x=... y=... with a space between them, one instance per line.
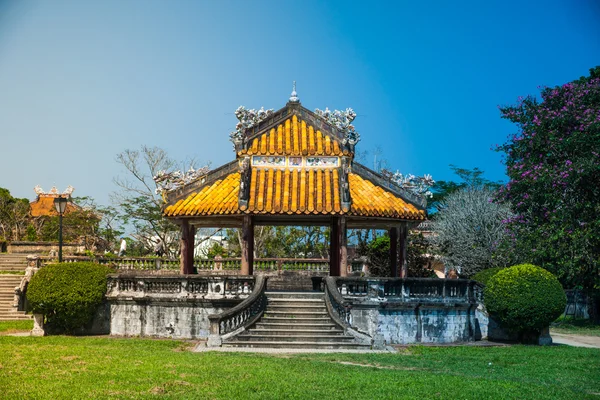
x=248 y=118
x=294 y=97
x=54 y=191
x=169 y=181
x=342 y=120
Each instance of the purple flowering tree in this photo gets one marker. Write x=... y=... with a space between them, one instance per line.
x=553 y=163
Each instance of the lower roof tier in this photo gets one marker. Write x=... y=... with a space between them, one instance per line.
x=299 y=191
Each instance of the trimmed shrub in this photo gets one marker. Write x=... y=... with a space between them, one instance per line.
x=68 y=294
x=484 y=276
x=524 y=299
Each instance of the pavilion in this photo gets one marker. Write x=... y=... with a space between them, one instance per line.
x=292 y=167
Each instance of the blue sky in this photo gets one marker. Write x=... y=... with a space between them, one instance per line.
x=83 y=81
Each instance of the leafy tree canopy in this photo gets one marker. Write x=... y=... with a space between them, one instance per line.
x=13 y=216
x=467 y=178
x=553 y=163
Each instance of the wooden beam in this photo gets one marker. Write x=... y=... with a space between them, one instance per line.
x=247 y=245
x=394 y=252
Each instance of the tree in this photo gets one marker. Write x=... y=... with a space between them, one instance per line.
x=553 y=163
x=469 y=231
x=284 y=241
x=87 y=223
x=139 y=200
x=14 y=213
x=468 y=178
x=419 y=256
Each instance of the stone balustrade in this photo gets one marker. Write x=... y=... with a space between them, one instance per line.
x=409 y=310
x=233 y=321
x=421 y=290
x=179 y=287
x=317 y=265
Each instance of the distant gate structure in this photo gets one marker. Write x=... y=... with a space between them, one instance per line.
x=292 y=167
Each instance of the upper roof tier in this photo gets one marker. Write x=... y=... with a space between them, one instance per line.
x=294 y=137
x=292 y=162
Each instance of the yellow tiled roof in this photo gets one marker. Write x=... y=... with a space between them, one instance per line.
x=294 y=191
x=370 y=200
x=218 y=198
x=302 y=191
x=294 y=137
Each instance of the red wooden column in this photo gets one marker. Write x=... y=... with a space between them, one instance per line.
x=403 y=237
x=187 y=248
x=190 y=247
x=343 y=247
x=334 y=247
x=247 y=245
x=394 y=251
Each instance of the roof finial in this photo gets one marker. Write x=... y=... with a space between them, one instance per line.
x=294 y=98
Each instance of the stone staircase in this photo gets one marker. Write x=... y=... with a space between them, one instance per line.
x=11 y=263
x=296 y=320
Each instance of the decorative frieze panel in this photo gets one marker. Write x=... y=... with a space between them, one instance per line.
x=268 y=161
x=295 y=162
x=322 y=161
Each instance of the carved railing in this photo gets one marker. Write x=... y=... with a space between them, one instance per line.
x=338 y=308
x=185 y=286
x=411 y=289
x=202 y=264
x=124 y=263
x=240 y=317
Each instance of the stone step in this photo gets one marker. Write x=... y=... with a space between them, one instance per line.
x=296 y=325
x=297 y=314
x=295 y=308
x=301 y=320
x=295 y=332
x=285 y=300
x=298 y=345
x=295 y=295
x=299 y=338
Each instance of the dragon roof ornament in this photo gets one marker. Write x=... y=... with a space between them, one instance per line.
x=418 y=185
x=169 y=181
x=248 y=118
x=54 y=191
x=342 y=120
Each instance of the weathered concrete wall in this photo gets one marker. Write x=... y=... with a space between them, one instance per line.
x=43 y=248
x=165 y=319
x=415 y=323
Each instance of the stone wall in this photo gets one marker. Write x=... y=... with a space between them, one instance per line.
x=165 y=319
x=42 y=248
x=406 y=323
x=171 y=306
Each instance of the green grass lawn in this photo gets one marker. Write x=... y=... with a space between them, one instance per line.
x=575 y=327
x=15 y=326
x=62 y=367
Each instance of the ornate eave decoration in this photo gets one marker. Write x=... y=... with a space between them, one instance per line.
x=54 y=191
x=169 y=181
x=248 y=118
x=417 y=185
x=342 y=120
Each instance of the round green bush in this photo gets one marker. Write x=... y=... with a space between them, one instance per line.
x=484 y=276
x=68 y=294
x=524 y=299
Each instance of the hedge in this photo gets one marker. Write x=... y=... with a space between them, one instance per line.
x=484 y=275
x=68 y=294
x=524 y=299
